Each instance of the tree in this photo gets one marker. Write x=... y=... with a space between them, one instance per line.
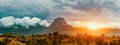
x=105 y=43
x=55 y=33
x=79 y=39
x=99 y=41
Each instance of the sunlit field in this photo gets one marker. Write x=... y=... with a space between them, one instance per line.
x=59 y=39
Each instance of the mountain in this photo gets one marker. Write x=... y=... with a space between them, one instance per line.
x=20 y=30
x=60 y=25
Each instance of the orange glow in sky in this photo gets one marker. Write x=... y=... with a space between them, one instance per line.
x=94 y=26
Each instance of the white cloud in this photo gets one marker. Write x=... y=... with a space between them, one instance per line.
x=114 y=24
x=19 y=21
x=75 y=23
x=4 y=2
x=35 y=20
x=44 y=23
x=117 y=3
x=25 y=21
x=7 y=21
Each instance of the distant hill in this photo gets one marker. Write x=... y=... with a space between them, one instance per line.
x=20 y=30
x=107 y=31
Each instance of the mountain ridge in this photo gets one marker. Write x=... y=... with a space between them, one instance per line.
x=58 y=25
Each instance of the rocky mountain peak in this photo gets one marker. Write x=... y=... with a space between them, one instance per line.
x=59 y=22
x=60 y=25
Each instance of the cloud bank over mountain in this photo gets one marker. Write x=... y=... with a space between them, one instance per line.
x=104 y=11
x=25 y=21
x=54 y=8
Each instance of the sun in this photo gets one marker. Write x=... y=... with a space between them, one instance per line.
x=92 y=26
x=95 y=26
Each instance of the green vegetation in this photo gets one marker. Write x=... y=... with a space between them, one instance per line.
x=59 y=39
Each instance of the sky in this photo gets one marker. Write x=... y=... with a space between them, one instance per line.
x=74 y=11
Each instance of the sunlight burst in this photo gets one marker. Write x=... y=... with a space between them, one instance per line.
x=95 y=26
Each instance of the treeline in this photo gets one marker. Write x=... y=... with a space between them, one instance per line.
x=60 y=39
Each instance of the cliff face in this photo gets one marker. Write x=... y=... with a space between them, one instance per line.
x=60 y=25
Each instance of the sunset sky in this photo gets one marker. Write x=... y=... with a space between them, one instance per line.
x=76 y=12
